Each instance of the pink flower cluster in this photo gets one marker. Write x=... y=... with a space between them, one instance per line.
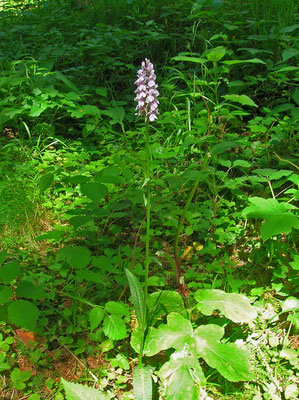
x=146 y=92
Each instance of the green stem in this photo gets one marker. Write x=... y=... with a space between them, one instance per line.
x=147 y=237
x=180 y=227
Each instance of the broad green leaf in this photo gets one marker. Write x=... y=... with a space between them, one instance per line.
x=90 y=276
x=290 y=304
x=234 y=306
x=229 y=359
x=114 y=327
x=276 y=224
x=94 y=190
x=164 y=302
x=137 y=298
x=142 y=382
x=19 y=378
x=23 y=314
x=9 y=272
x=136 y=339
x=5 y=293
x=45 y=182
x=77 y=257
x=241 y=99
x=75 y=391
x=265 y=208
x=223 y=147
x=175 y=334
x=96 y=316
x=112 y=307
x=289 y=53
x=181 y=376
x=216 y=54
x=30 y=291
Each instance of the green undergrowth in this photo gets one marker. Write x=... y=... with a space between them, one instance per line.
x=223 y=205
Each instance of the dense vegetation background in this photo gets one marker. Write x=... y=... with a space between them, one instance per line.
x=224 y=187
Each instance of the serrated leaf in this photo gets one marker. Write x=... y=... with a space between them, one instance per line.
x=75 y=391
x=30 y=291
x=265 y=208
x=77 y=257
x=23 y=314
x=96 y=316
x=137 y=298
x=5 y=293
x=94 y=190
x=142 y=382
x=241 y=99
x=114 y=327
x=45 y=181
x=9 y=272
x=112 y=307
x=234 y=306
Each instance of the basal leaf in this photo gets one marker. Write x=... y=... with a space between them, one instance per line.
x=114 y=327
x=230 y=360
x=75 y=391
x=96 y=316
x=142 y=382
x=234 y=306
x=23 y=314
x=164 y=302
x=137 y=297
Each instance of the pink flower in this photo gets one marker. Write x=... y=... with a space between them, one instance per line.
x=146 y=92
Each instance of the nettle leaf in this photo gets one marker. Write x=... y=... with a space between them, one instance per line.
x=9 y=272
x=75 y=391
x=94 y=190
x=234 y=306
x=142 y=382
x=45 y=181
x=114 y=327
x=5 y=293
x=181 y=376
x=96 y=316
x=112 y=307
x=241 y=99
x=24 y=314
x=77 y=257
x=30 y=291
x=230 y=360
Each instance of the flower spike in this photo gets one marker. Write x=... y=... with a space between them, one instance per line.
x=146 y=92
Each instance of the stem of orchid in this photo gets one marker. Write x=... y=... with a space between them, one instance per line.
x=180 y=227
x=147 y=237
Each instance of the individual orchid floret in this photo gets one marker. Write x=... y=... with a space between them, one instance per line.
x=146 y=92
